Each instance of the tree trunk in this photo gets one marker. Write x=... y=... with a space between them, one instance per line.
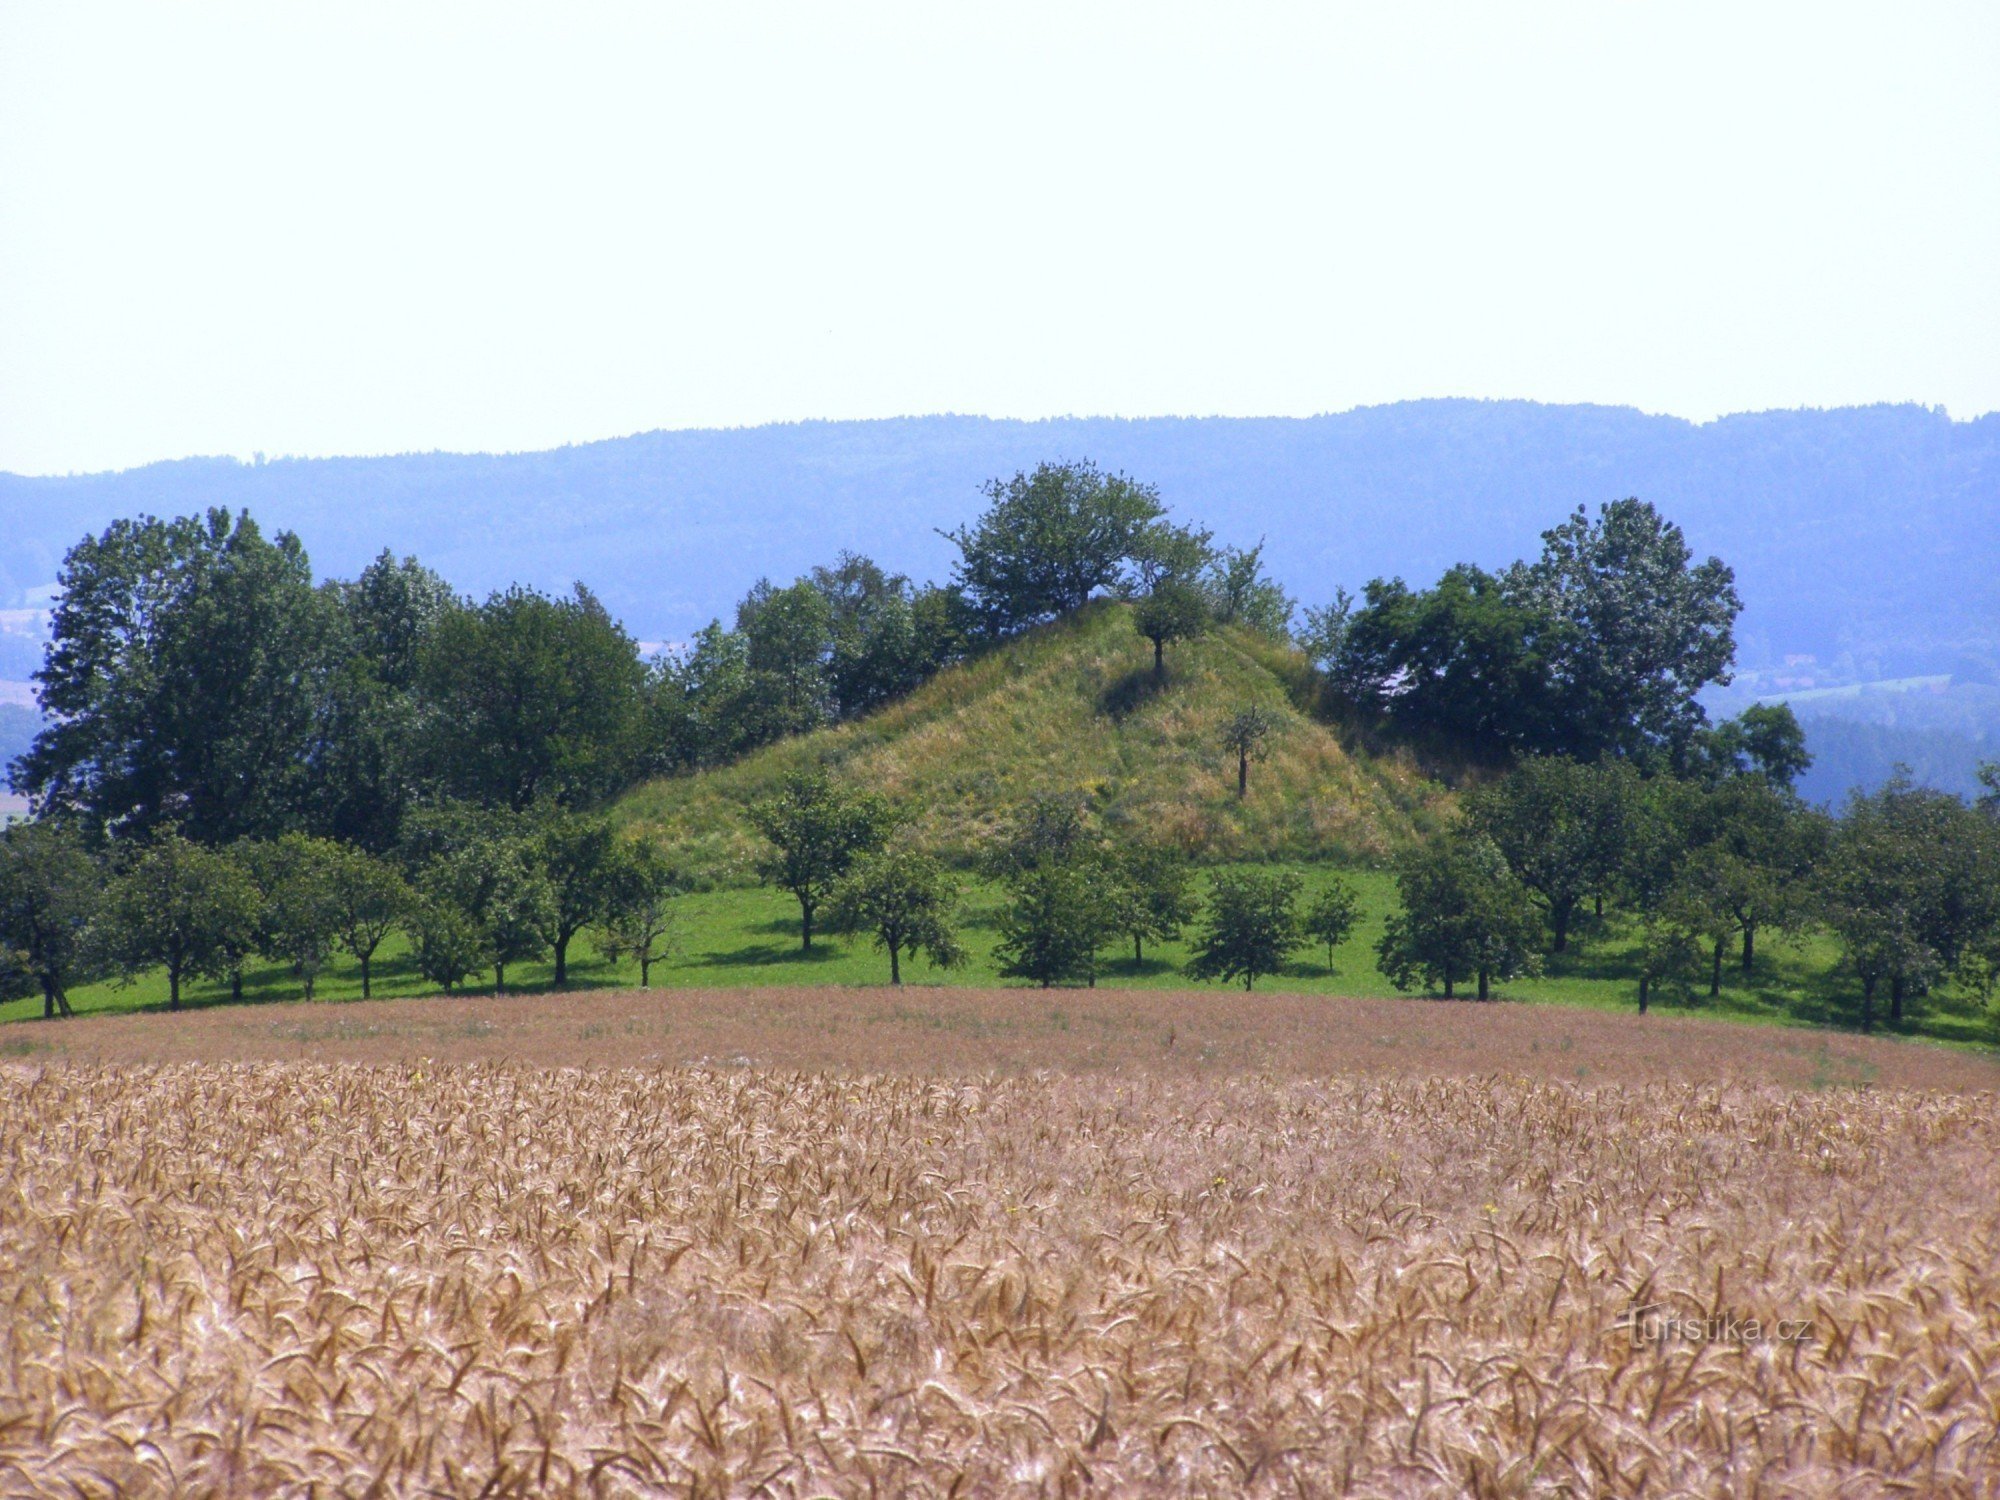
x=1243 y=774
x=365 y=992
x=1599 y=898
x=1715 y=971
x=1447 y=984
x=1485 y=992
x=1749 y=945
x=236 y=985
x=1645 y=985
x=173 y=988
x=1896 y=999
x=645 y=972
x=54 y=1001
x=1329 y=958
x=895 y=968
x=1159 y=658
x=1138 y=955
x=1559 y=915
x=1248 y=980
x=805 y=926
x=562 y=962
x=1868 y=1004
x=499 y=979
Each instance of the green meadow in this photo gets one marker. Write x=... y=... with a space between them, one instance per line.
x=749 y=936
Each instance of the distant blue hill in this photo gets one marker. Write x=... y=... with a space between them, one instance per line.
x=1868 y=538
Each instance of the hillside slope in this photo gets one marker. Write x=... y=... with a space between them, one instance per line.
x=1073 y=707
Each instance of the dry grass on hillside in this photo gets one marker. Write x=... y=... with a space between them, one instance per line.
x=479 y=1280
x=1074 y=707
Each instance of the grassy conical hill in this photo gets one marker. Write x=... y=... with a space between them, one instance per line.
x=1074 y=707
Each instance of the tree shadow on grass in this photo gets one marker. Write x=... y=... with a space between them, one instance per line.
x=761 y=954
x=1131 y=692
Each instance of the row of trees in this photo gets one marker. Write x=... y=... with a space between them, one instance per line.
x=1072 y=895
x=471 y=890
x=1907 y=879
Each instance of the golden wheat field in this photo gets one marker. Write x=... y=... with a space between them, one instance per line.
x=487 y=1279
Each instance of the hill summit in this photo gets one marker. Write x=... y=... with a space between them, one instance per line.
x=1074 y=707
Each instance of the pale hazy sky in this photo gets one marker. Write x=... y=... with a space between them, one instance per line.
x=354 y=228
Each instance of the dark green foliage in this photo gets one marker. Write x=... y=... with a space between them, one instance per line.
x=371 y=900
x=1561 y=826
x=50 y=892
x=529 y=697
x=1464 y=916
x=1597 y=648
x=638 y=919
x=906 y=902
x=300 y=912
x=1249 y=928
x=1058 y=915
x=1643 y=627
x=1766 y=739
x=1049 y=540
x=490 y=871
x=1910 y=884
x=579 y=856
x=178 y=906
x=1331 y=916
x=448 y=942
x=1152 y=892
x=816 y=830
x=1465 y=662
x=183 y=680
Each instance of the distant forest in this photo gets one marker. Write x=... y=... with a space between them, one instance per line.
x=1862 y=539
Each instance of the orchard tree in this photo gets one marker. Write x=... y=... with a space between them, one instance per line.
x=638 y=921
x=448 y=942
x=1153 y=895
x=1331 y=916
x=817 y=830
x=300 y=920
x=1464 y=916
x=1171 y=603
x=1910 y=883
x=190 y=910
x=1057 y=917
x=1049 y=540
x=578 y=854
x=1174 y=610
x=1250 y=927
x=1560 y=826
x=907 y=902
x=370 y=899
x=50 y=892
x=497 y=879
x=1244 y=736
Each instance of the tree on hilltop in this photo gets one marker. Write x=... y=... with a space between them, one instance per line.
x=1049 y=540
x=1244 y=736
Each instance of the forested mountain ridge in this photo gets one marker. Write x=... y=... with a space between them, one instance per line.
x=1861 y=537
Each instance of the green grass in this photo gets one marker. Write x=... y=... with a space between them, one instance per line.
x=750 y=937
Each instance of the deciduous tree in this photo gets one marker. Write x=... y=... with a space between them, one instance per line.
x=1249 y=928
